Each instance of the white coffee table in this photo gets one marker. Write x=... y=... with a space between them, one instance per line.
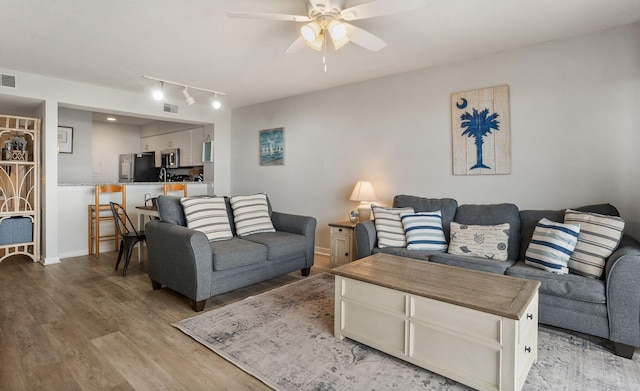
x=480 y=329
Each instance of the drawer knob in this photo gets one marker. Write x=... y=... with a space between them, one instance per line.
x=346 y=254
x=339 y=229
x=527 y=349
x=529 y=316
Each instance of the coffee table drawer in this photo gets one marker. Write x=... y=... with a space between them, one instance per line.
x=373 y=295
x=455 y=357
x=465 y=321
x=374 y=327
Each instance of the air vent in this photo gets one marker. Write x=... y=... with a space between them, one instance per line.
x=169 y=108
x=7 y=81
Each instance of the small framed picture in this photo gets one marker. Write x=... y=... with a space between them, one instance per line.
x=65 y=139
x=271 y=152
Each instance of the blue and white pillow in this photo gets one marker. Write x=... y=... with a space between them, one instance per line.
x=424 y=231
x=207 y=215
x=551 y=246
x=389 y=227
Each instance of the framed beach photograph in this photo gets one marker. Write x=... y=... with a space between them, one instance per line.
x=65 y=139
x=271 y=152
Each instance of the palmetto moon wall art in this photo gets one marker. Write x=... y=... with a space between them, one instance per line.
x=481 y=131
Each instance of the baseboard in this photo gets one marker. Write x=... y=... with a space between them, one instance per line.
x=323 y=251
x=49 y=261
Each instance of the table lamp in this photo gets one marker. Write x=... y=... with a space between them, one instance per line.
x=364 y=193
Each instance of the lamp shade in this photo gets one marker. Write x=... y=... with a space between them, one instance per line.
x=363 y=192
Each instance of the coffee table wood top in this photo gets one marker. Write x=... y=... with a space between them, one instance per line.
x=487 y=292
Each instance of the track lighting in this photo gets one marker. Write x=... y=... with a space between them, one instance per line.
x=188 y=97
x=158 y=94
x=216 y=103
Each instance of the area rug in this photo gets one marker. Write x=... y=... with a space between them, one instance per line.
x=284 y=338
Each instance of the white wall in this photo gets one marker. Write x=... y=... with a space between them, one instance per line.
x=573 y=122
x=75 y=167
x=109 y=141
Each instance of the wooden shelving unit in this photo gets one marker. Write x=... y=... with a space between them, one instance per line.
x=19 y=187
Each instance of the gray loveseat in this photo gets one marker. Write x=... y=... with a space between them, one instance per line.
x=185 y=261
x=608 y=307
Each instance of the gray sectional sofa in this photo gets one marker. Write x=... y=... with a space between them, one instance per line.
x=185 y=261
x=608 y=307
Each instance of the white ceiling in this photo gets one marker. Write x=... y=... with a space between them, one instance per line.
x=113 y=43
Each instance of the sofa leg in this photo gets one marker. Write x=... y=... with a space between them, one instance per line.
x=155 y=285
x=305 y=272
x=624 y=350
x=198 y=305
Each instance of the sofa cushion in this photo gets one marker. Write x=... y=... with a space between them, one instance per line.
x=424 y=231
x=599 y=236
x=492 y=215
x=551 y=246
x=251 y=214
x=475 y=263
x=422 y=255
x=170 y=210
x=236 y=252
x=569 y=286
x=446 y=206
x=389 y=227
x=280 y=245
x=207 y=215
x=485 y=241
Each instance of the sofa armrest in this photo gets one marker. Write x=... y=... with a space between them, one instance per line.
x=365 y=236
x=297 y=224
x=179 y=258
x=623 y=292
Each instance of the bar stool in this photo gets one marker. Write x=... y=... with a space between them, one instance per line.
x=99 y=212
x=175 y=187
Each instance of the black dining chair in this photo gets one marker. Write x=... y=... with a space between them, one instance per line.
x=129 y=236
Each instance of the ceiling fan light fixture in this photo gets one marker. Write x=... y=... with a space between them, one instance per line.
x=318 y=43
x=310 y=31
x=337 y=30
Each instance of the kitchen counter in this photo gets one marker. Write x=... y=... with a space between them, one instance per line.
x=73 y=199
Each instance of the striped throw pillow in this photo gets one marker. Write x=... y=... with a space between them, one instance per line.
x=599 y=237
x=423 y=231
x=389 y=227
x=551 y=246
x=251 y=214
x=207 y=215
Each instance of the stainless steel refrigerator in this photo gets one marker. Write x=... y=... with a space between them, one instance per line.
x=138 y=167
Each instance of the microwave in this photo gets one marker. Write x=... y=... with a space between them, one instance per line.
x=170 y=158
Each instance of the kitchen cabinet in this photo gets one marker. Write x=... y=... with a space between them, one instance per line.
x=188 y=141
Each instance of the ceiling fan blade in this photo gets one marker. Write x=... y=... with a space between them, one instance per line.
x=379 y=8
x=364 y=38
x=296 y=46
x=266 y=16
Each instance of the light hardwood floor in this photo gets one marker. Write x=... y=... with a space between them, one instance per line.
x=80 y=325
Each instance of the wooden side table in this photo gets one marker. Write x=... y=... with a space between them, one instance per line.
x=343 y=243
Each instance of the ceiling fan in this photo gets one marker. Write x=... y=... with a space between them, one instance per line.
x=328 y=18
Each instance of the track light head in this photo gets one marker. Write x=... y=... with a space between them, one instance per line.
x=216 y=103
x=158 y=94
x=188 y=97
